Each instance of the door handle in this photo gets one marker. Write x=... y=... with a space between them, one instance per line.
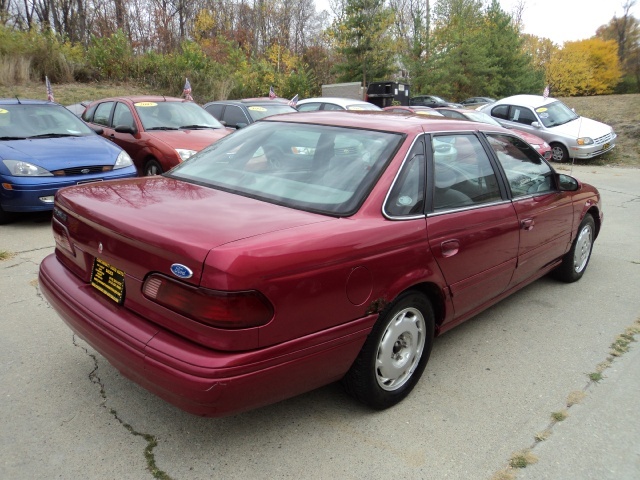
x=449 y=248
x=527 y=224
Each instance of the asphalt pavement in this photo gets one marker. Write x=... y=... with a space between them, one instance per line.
x=491 y=386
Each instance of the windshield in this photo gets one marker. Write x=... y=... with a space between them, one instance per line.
x=40 y=121
x=261 y=111
x=556 y=113
x=316 y=168
x=174 y=116
x=482 y=118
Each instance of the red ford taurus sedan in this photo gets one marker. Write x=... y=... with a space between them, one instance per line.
x=310 y=248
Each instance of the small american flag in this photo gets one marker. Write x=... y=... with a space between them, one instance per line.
x=49 y=89
x=272 y=94
x=294 y=101
x=545 y=94
x=187 y=91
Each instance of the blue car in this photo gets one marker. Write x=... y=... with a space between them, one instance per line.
x=44 y=147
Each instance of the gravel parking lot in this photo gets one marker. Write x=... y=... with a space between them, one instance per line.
x=491 y=385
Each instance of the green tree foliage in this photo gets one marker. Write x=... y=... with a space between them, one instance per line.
x=363 y=42
x=476 y=51
x=586 y=67
x=625 y=31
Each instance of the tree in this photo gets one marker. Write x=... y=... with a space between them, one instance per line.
x=626 y=32
x=586 y=67
x=363 y=42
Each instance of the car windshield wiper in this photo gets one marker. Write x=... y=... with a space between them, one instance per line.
x=194 y=127
x=53 y=135
x=13 y=138
x=163 y=128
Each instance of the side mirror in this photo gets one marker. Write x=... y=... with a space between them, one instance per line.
x=98 y=130
x=223 y=122
x=567 y=183
x=535 y=124
x=125 y=129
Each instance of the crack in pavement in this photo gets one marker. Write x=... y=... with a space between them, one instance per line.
x=150 y=439
x=618 y=348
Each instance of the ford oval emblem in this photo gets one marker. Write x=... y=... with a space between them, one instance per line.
x=181 y=271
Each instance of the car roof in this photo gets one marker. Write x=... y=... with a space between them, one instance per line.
x=143 y=98
x=251 y=101
x=25 y=101
x=337 y=100
x=384 y=121
x=532 y=101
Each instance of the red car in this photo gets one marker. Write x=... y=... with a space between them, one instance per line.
x=536 y=142
x=310 y=248
x=157 y=132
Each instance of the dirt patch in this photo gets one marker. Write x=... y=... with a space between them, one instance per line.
x=622 y=112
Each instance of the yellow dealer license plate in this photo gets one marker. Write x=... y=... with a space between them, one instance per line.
x=109 y=280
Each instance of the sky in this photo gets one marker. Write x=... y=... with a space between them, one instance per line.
x=567 y=20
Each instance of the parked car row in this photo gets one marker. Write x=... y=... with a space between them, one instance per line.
x=160 y=132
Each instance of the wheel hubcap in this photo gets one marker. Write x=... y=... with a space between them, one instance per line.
x=583 y=249
x=400 y=349
x=558 y=154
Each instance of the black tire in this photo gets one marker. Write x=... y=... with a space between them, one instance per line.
x=575 y=262
x=395 y=353
x=559 y=152
x=152 y=167
x=6 y=217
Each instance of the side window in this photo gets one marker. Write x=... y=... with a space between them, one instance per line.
x=522 y=115
x=309 y=107
x=101 y=117
x=234 y=115
x=526 y=171
x=407 y=195
x=501 y=111
x=463 y=174
x=215 y=110
x=331 y=106
x=122 y=116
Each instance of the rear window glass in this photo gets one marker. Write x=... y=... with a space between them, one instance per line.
x=316 y=168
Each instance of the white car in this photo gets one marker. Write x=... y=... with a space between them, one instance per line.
x=334 y=103
x=569 y=134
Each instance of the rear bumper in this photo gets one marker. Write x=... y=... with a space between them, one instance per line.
x=196 y=379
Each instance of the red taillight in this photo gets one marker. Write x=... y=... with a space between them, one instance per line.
x=61 y=235
x=218 y=309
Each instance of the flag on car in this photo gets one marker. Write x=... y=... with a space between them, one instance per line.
x=272 y=94
x=187 y=91
x=545 y=94
x=49 y=89
x=294 y=101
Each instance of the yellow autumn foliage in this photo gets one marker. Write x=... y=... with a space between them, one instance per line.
x=585 y=67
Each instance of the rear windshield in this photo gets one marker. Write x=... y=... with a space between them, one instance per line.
x=40 y=121
x=317 y=168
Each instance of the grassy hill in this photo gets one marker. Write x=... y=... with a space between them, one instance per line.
x=622 y=112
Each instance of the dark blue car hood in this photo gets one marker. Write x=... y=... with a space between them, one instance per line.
x=59 y=153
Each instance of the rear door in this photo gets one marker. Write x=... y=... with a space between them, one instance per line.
x=472 y=226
